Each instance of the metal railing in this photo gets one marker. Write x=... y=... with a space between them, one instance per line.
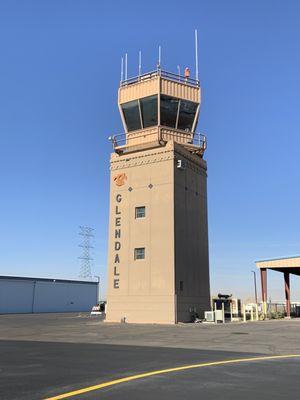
x=199 y=140
x=164 y=74
x=149 y=135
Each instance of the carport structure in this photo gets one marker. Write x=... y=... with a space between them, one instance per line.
x=289 y=265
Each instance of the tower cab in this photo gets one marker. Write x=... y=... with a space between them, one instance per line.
x=158 y=107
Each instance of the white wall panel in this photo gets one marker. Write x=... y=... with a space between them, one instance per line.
x=16 y=296
x=59 y=297
x=27 y=296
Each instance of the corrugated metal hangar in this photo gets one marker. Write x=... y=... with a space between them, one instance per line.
x=38 y=295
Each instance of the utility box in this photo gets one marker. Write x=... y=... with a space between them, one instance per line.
x=219 y=316
x=231 y=306
x=209 y=316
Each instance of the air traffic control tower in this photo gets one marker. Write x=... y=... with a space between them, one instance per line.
x=158 y=267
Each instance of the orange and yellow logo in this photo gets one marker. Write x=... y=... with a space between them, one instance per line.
x=120 y=179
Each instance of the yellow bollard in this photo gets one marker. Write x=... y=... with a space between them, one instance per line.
x=244 y=312
x=265 y=308
x=223 y=313
x=256 y=312
x=215 y=313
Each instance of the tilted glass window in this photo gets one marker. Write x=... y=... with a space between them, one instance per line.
x=168 y=111
x=187 y=112
x=132 y=115
x=139 y=253
x=140 y=212
x=149 y=111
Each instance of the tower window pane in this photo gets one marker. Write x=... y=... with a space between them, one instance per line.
x=168 y=111
x=187 y=114
x=149 y=111
x=140 y=212
x=132 y=115
x=139 y=253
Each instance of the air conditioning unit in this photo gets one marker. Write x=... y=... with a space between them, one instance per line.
x=209 y=316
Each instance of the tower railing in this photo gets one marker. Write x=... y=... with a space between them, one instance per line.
x=160 y=135
x=164 y=74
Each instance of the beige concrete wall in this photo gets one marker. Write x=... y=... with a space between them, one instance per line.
x=157 y=85
x=176 y=135
x=145 y=291
x=154 y=134
x=180 y=90
x=139 y=90
x=174 y=234
x=142 y=136
x=191 y=236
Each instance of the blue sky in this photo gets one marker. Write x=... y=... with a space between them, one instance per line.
x=59 y=74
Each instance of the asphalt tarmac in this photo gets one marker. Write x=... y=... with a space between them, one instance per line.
x=39 y=370
x=45 y=356
x=263 y=380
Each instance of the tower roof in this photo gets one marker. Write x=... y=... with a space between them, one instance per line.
x=160 y=81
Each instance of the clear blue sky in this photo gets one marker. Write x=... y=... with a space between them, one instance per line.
x=59 y=73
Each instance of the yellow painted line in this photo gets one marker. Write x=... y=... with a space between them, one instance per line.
x=166 y=371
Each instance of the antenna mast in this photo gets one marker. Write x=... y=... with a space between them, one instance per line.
x=122 y=69
x=86 y=234
x=159 y=57
x=196 y=54
x=140 y=63
x=178 y=69
x=125 y=66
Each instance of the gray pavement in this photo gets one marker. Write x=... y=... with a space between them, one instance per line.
x=268 y=337
x=35 y=370
x=270 y=380
x=43 y=355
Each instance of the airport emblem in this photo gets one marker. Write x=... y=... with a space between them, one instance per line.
x=120 y=179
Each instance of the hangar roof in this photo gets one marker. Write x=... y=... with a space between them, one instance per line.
x=54 y=280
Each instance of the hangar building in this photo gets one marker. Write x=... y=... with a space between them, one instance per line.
x=40 y=295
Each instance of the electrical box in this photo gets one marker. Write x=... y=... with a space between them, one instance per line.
x=209 y=316
x=219 y=317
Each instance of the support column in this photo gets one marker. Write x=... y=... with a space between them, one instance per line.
x=287 y=294
x=263 y=278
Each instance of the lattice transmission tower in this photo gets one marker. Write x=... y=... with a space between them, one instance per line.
x=86 y=234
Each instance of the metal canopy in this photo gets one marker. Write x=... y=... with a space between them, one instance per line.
x=287 y=265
